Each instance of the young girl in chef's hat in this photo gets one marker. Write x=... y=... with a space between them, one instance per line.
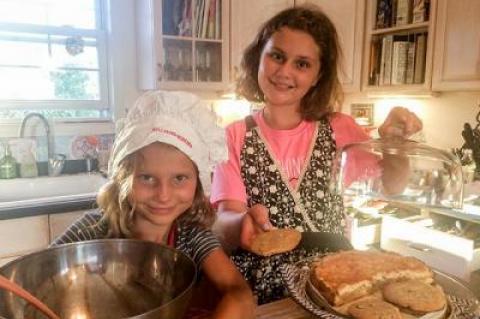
x=160 y=166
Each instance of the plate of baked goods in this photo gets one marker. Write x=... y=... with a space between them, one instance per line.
x=373 y=284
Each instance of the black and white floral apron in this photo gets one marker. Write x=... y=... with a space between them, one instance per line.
x=312 y=206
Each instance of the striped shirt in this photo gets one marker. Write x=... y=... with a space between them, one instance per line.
x=194 y=241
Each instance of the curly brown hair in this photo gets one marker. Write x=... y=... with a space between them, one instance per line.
x=327 y=93
x=118 y=213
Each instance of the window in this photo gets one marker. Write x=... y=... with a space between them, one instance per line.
x=53 y=59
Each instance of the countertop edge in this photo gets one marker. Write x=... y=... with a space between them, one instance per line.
x=47 y=208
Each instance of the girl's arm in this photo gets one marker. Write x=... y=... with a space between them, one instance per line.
x=236 y=225
x=236 y=299
x=228 y=223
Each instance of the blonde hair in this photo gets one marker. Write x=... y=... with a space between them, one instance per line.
x=118 y=213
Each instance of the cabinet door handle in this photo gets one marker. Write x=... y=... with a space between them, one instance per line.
x=420 y=247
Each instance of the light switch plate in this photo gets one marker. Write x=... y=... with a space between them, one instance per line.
x=362 y=113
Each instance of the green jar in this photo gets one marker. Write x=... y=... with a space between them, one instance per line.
x=8 y=164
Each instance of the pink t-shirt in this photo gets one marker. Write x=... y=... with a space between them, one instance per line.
x=289 y=147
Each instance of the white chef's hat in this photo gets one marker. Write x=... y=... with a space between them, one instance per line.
x=180 y=119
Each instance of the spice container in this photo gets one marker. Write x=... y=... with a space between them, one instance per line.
x=8 y=164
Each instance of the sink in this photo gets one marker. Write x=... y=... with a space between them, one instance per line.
x=28 y=192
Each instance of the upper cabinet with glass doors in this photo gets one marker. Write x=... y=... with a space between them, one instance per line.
x=182 y=44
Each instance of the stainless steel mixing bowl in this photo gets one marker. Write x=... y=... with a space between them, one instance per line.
x=112 y=278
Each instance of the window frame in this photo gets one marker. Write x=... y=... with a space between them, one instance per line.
x=100 y=34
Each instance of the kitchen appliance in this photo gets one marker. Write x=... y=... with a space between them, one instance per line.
x=110 y=278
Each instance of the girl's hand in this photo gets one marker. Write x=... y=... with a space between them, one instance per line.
x=400 y=122
x=256 y=221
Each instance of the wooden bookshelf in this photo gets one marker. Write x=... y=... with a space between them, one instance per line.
x=398 y=56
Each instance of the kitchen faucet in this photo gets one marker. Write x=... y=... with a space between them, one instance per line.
x=55 y=161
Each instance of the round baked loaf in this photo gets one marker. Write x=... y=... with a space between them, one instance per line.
x=275 y=241
x=374 y=309
x=415 y=296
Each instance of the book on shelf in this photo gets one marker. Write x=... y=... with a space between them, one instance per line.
x=410 y=62
x=375 y=60
x=168 y=23
x=386 y=60
x=211 y=19
x=384 y=14
x=208 y=19
x=199 y=17
x=420 y=55
x=177 y=15
x=419 y=11
x=218 y=20
x=399 y=61
x=206 y=10
x=394 y=13
x=185 y=25
x=402 y=14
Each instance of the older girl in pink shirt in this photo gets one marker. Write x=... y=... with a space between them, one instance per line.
x=279 y=171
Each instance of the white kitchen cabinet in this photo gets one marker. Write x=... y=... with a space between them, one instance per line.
x=6 y=260
x=348 y=16
x=362 y=236
x=20 y=236
x=423 y=239
x=246 y=17
x=182 y=48
x=457 y=46
x=58 y=223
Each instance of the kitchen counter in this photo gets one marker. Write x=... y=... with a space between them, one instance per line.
x=24 y=197
x=282 y=309
x=66 y=205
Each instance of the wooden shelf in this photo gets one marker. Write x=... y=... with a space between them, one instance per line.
x=400 y=29
x=183 y=38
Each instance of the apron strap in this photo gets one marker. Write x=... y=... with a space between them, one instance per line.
x=250 y=123
x=172 y=234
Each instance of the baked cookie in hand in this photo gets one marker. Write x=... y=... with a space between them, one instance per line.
x=275 y=241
